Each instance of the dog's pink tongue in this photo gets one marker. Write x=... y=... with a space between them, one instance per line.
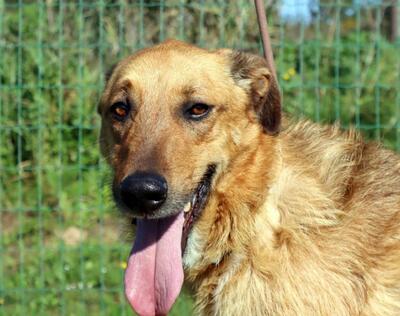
x=154 y=276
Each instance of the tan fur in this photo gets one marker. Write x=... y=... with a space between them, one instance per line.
x=305 y=222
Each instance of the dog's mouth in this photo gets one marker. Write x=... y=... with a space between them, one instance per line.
x=195 y=206
x=154 y=275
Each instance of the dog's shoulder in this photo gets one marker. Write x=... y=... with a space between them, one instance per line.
x=338 y=157
x=324 y=153
x=340 y=169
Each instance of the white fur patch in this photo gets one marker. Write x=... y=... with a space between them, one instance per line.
x=236 y=136
x=234 y=265
x=194 y=249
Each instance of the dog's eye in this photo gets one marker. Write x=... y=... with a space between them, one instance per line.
x=197 y=111
x=120 y=111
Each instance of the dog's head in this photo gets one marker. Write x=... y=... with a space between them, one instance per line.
x=174 y=118
x=174 y=113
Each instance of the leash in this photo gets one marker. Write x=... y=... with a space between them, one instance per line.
x=263 y=25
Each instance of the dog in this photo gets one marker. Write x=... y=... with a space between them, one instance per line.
x=262 y=215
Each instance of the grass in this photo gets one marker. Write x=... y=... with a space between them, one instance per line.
x=77 y=270
x=60 y=250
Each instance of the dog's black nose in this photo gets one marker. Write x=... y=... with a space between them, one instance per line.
x=144 y=192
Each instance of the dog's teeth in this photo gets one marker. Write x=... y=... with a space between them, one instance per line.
x=187 y=207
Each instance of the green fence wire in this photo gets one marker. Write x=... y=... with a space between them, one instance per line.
x=60 y=249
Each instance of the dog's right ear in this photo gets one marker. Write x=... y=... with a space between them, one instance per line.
x=251 y=72
x=109 y=72
x=107 y=77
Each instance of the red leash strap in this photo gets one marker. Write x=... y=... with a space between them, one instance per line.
x=263 y=25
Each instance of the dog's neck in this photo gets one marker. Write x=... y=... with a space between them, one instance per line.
x=284 y=204
x=241 y=189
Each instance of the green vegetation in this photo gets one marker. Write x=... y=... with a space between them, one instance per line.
x=60 y=249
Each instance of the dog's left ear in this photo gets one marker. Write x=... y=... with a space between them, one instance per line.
x=251 y=73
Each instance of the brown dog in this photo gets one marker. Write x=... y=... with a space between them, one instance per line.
x=273 y=219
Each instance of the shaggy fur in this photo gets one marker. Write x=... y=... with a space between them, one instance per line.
x=302 y=219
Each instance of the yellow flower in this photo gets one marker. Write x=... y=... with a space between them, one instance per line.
x=1 y=301
x=286 y=76
x=291 y=72
x=123 y=265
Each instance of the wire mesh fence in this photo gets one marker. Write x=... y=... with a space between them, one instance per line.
x=60 y=250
